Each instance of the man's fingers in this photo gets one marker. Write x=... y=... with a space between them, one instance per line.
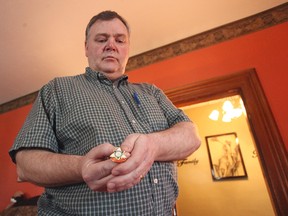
x=100 y=184
x=136 y=158
x=129 y=142
x=97 y=170
x=124 y=182
x=100 y=152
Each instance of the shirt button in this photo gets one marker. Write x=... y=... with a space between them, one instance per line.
x=156 y=181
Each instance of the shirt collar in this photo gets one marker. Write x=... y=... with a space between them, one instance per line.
x=96 y=75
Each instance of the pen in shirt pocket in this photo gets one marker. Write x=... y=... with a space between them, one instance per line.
x=136 y=98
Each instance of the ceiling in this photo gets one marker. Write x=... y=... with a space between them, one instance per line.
x=43 y=39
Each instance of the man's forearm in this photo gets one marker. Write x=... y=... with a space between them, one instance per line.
x=48 y=169
x=176 y=143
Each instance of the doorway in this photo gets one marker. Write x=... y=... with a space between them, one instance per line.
x=224 y=176
x=271 y=151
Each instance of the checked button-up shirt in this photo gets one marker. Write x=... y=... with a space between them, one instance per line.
x=71 y=115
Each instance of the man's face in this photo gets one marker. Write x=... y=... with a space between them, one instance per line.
x=107 y=48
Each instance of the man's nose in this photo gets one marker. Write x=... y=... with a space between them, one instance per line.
x=110 y=46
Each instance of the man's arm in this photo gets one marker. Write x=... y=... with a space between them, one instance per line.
x=50 y=169
x=172 y=144
x=176 y=143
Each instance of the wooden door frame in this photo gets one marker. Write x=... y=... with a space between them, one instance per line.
x=269 y=143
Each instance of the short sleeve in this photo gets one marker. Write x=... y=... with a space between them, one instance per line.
x=173 y=114
x=38 y=129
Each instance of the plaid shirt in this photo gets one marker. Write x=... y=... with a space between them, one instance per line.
x=74 y=114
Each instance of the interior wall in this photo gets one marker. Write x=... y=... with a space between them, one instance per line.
x=266 y=51
x=10 y=124
x=200 y=194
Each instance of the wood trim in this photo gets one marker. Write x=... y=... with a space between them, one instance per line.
x=223 y=33
x=270 y=146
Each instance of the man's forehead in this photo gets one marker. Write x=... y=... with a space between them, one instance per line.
x=114 y=24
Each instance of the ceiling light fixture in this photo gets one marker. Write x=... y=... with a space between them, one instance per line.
x=228 y=110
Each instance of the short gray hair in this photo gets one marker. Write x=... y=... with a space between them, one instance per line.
x=105 y=15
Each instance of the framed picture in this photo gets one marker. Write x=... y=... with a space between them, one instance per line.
x=225 y=157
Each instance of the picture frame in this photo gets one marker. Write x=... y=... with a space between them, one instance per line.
x=225 y=157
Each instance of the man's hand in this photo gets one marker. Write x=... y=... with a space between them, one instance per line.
x=130 y=173
x=96 y=167
x=49 y=169
x=100 y=173
x=175 y=143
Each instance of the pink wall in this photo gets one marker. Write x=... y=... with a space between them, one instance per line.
x=266 y=51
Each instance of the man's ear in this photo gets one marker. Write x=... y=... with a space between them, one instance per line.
x=86 y=48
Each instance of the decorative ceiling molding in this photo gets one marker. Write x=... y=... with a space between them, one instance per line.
x=223 y=33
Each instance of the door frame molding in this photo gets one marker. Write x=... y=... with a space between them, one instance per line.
x=269 y=143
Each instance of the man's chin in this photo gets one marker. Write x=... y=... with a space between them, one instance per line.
x=112 y=74
x=110 y=68
x=110 y=71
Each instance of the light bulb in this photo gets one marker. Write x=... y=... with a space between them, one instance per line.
x=227 y=106
x=226 y=118
x=237 y=112
x=214 y=115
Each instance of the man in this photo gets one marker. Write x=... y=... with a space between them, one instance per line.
x=76 y=122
